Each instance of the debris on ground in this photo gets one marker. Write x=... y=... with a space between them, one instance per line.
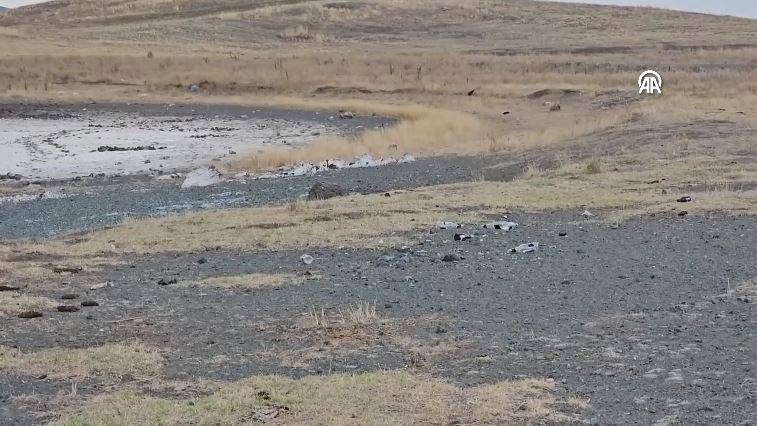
x=554 y=108
x=462 y=237
x=165 y=282
x=450 y=258
x=11 y=176
x=108 y=148
x=526 y=248
x=684 y=199
x=69 y=296
x=30 y=314
x=206 y=176
x=321 y=191
x=307 y=259
x=448 y=225
x=100 y=285
x=501 y=225
x=67 y=308
x=346 y=115
x=682 y=213
x=8 y=287
x=587 y=214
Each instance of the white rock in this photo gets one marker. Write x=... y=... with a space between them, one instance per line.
x=307 y=259
x=526 y=248
x=501 y=225
x=201 y=177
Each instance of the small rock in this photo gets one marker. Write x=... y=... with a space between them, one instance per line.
x=320 y=191
x=526 y=248
x=202 y=261
x=8 y=287
x=587 y=214
x=29 y=314
x=448 y=225
x=462 y=237
x=684 y=199
x=554 y=108
x=682 y=213
x=67 y=308
x=502 y=225
x=69 y=296
x=201 y=177
x=89 y=303
x=450 y=258
x=562 y=233
x=307 y=259
x=165 y=282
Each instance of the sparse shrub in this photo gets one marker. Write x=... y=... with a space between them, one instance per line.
x=150 y=55
x=594 y=167
x=361 y=313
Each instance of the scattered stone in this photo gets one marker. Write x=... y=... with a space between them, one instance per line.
x=307 y=259
x=165 y=282
x=501 y=225
x=108 y=148
x=682 y=213
x=472 y=92
x=67 y=308
x=562 y=233
x=587 y=214
x=320 y=191
x=462 y=237
x=684 y=199
x=89 y=303
x=11 y=176
x=346 y=115
x=450 y=258
x=69 y=296
x=202 y=177
x=448 y=225
x=193 y=88
x=29 y=314
x=555 y=107
x=526 y=248
x=8 y=287
x=100 y=285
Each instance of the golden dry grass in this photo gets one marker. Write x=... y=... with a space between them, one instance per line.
x=12 y=303
x=111 y=362
x=392 y=397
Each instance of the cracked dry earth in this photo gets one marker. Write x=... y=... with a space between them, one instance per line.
x=646 y=321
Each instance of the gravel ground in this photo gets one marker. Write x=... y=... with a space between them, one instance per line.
x=636 y=319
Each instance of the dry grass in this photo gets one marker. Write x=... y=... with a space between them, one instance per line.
x=112 y=362
x=373 y=398
x=12 y=303
x=252 y=281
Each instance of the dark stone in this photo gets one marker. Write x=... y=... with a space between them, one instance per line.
x=164 y=281
x=69 y=296
x=68 y=308
x=450 y=258
x=30 y=314
x=320 y=191
x=89 y=303
x=8 y=287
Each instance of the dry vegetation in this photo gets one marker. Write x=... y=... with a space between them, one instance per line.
x=111 y=362
x=375 y=398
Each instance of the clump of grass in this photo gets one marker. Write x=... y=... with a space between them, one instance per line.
x=12 y=304
x=112 y=362
x=361 y=313
x=594 y=167
x=395 y=397
x=302 y=33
